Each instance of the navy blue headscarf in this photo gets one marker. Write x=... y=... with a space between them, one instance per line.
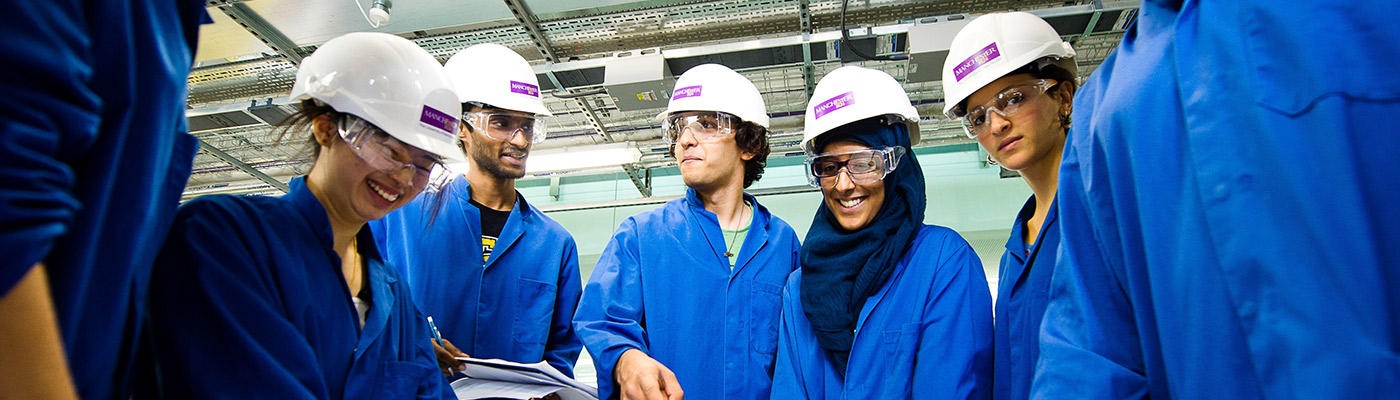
x=840 y=268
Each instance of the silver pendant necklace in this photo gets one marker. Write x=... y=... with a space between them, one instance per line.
x=729 y=252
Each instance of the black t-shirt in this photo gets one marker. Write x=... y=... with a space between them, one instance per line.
x=492 y=222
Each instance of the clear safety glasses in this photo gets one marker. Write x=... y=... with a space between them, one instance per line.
x=385 y=153
x=503 y=125
x=704 y=126
x=1005 y=104
x=863 y=166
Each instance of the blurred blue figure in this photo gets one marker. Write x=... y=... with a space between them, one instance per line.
x=94 y=155
x=1227 y=206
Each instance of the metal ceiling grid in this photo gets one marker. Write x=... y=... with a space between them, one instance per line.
x=783 y=86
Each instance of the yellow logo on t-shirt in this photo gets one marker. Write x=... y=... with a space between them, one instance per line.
x=487 y=243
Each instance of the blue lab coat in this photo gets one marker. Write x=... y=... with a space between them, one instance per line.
x=515 y=307
x=1022 y=294
x=927 y=333
x=1228 y=210
x=248 y=301
x=663 y=286
x=93 y=157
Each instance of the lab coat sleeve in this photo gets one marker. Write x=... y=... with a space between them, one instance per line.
x=788 y=372
x=610 y=314
x=954 y=358
x=217 y=328
x=1089 y=346
x=48 y=117
x=563 y=345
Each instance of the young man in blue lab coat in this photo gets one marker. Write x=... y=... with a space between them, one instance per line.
x=1228 y=206
x=94 y=157
x=499 y=278
x=685 y=298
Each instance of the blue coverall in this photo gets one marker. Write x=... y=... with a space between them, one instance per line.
x=664 y=286
x=927 y=334
x=94 y=153
x=1022 y=294
x=248 y=301
x=517 y=306
x=1228 y=209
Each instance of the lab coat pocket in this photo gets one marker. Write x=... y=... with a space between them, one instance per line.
x=901 y=345
x=534 y=302
x=401 y=379
x=764 y=307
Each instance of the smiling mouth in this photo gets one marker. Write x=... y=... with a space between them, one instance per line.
x=383 y=194
x=852 y=203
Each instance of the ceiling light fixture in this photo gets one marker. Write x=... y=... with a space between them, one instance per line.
x=581 y=158
x=378 y=12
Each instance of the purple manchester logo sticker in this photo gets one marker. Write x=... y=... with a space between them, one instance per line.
x=524 y=88
x=439 y=120
x=833 y=104
x=986 y=55
x=688 y=91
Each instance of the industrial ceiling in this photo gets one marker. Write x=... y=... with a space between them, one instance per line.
x=247 y=61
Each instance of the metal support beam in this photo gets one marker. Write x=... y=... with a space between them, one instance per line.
x=1093 y=21
x=593 y=120
x=527 y=21
x=804 y=12
x=261 y=29
x=244 y=167
x=641 y=177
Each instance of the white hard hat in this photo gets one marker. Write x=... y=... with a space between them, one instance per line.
x=714 y=87
x=994 y=45
x=851 y=94
x=388 y=81
x=493 y=74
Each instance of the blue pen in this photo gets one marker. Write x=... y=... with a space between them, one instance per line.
x=436 y=336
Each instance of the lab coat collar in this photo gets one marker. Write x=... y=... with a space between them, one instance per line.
x=1016 y=247
x=521 y=215
x=311 y=209
x=755 y=240
x=382 y=298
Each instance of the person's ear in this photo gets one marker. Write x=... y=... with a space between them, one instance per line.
x=324 y=130
x=1063 y=94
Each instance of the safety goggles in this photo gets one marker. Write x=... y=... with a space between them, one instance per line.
x=704 y=126
x=385 y=153
x=863 y=166
x=1007 y=103
x=503 y=125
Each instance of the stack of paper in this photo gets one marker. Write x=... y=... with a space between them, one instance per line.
x=494 y=379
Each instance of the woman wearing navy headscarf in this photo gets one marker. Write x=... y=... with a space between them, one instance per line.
x=883 y=303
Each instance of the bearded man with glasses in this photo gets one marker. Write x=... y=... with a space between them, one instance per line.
x=499 y=278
